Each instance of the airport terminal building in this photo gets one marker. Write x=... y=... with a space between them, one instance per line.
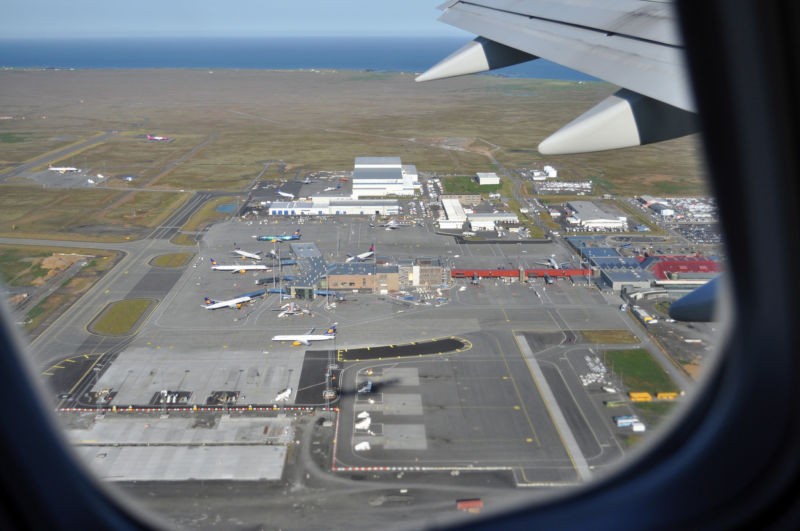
x=322 y=206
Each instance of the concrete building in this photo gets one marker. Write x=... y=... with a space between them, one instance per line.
x=507 y=218
x=328 y=206
x=383 y=176
x=589 y=216
x=488 y=179
x=481 y=224
x=662 y=210
x=464 y=199
x=364 y=277
x=627 y=279
x=456 y=217
x=420 y=272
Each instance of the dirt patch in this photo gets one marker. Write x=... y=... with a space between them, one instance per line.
x=17 y=299
x=55 y=264
x=60 y=262
x=694 y=370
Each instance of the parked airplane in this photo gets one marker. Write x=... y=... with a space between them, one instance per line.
x=332 y=188
x=392 y=225
x=291 y=308
x=241 y=268
x=230 y=303
x=157 y=138
x=304 y=181
x=363 y=256
x=63 y=169
x=245 y=254
x=284 y=395
x=282 y=238
x=308 y=337
x=285 y=194
x=552 y=263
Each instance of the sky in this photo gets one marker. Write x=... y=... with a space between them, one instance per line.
x=221 y=18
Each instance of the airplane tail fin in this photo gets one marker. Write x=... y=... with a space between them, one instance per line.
x=297 y=233
x=372 y=248
x=209 y=301
x=331 y=331
x=213 y=262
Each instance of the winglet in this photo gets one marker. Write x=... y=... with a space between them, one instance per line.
x=476 y=56
x=624 y=119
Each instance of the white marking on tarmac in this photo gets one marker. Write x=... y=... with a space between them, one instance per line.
x=581 y=466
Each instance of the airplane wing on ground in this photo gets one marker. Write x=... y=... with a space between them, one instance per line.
x=632 y=43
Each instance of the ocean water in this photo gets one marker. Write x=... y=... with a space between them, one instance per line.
x=386 y=54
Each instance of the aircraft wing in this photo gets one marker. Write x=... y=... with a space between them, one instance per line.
x=631 y=43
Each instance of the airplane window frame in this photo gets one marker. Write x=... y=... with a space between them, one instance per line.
x=721 y=465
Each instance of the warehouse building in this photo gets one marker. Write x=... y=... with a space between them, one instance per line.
x=589 y=216
x=488 y=179
x=662 y=209
x=489 y=220
x=382 y=176
x=456 y=217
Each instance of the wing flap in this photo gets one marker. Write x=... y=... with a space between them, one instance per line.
x=644 y=20
x=651 y=67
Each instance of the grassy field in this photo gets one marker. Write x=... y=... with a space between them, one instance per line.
x=609 y=337
x=467 y=185
x=638 y=217
x=22 y=265
x=145 y=209
x=183 y=239
x=18 y=146
x=225 y=129
x=172 y=260
x=547 y=219
x=81 y=214
x=68 y=292
x=120 y=317
x=653 y=413
x=639 y=371
x=18 y=266
x=207 y=214
x=663 y=307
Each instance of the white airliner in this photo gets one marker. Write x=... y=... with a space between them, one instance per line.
x=238 y=268
x=157 y=138
x=308 y=337
x=245 y=254
x=285 y=194
x=392 y=225
x=552 y=263
x=63 y=169
x=291 y=308
x=230 y=303
x=284 y=395
x=363 y=256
